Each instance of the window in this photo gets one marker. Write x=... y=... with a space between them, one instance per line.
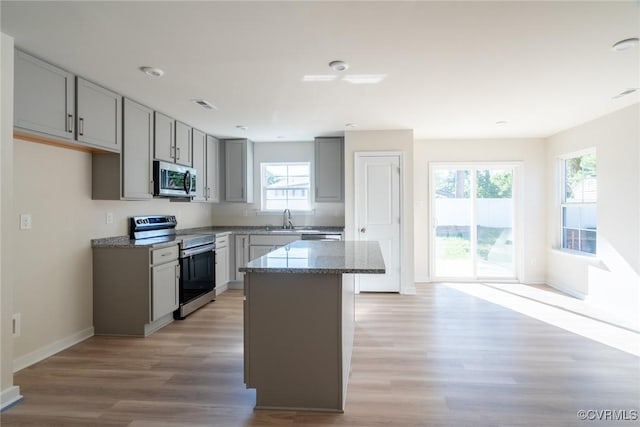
x=285 y=186
x=579 y=197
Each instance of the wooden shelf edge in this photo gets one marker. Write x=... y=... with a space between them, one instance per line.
x=69 y=145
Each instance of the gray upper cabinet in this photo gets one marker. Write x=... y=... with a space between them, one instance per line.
x=99 y=121
x=44 y=97
x=329 y=170
x=238 y=170
x=164 y=137
x=183 y=152
x=212 y=190
x=199 y=164
x=137 y=173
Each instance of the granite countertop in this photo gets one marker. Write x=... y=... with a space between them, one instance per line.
x=321 y=257
x=160 y=242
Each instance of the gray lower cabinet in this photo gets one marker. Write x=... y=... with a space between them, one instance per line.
x=44 y=97
x=164 y=137
x=238 y=170
x=200 y=164
x=128 y=175
x=329 y=169
x=135 y=290
x=241 y=255
x=183 y=140
x=99 y=121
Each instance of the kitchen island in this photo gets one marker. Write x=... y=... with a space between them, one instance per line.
x=299 y=322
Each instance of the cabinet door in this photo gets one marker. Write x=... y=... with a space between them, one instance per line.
x=222 y=266
x=329 y=170
x=256 y=251
x=183 y=144
x=199 y=163
x=44 y=99
x=163 y=137
x=137 y=178
x=99 y=116
x=235 y=152
x=212 y=190
x=164 y=289
x=242 y=255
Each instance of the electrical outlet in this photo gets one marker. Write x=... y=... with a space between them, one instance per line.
x=15 y=325
x=25 y=221
x=108 y=218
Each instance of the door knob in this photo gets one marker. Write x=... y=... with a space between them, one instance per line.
x=363 y=230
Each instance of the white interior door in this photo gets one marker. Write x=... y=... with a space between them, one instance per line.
x=378 y=216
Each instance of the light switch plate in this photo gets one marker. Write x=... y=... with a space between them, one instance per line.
x=25 y=221
x=108 y=218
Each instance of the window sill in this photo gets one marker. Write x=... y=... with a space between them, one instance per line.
x=592 y=258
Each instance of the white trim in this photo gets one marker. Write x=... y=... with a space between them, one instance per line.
x=9 y=397
x=236 y=284
x=51 y=349
x=568 y=290
x=222 y=288
x=404 y=287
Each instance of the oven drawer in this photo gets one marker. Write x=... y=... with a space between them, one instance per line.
x=159 y=256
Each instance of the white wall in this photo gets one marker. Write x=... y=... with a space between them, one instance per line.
x=248 y=214
x=384 y=140
x=52 y=262
x=8 y=392
x=612 y=279
x=531 y=152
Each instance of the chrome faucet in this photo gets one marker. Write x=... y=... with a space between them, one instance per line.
x=287 y=222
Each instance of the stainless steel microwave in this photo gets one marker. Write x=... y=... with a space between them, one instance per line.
x=171 y=180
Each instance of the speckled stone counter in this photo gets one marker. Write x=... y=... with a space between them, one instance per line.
x=321 y=257
x=299 y=319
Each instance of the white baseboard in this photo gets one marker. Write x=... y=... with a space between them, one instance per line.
x=9 y=397
x=222 y=288
x=567 y=290
x=238 y=284
x=51 y=349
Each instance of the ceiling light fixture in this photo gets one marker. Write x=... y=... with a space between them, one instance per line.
x=152 y=71
x=625 y=93
x=318 y=78
x=204 y=104
x=242 y=127
x=364 y=79
x=338 y=65
x=501 y=122
x=351 y=125
x=625 y=44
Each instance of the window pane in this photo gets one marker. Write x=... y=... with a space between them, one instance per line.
x=452 y=183
x=571 y=239
x=286 y=185
x=588 y=241
x=494 y=183
x=580 y=178
x=588 y=217
x=571 y=216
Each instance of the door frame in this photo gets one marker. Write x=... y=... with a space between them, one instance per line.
x=518 y=218
x=356 y=187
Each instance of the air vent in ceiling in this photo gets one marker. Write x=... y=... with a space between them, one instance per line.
x=204 y=104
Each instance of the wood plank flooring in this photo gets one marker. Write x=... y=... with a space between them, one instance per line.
x=440 y=358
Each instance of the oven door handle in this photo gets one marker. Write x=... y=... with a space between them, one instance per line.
x=199 y=250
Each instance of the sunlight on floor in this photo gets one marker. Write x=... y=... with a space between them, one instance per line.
x=555 y=309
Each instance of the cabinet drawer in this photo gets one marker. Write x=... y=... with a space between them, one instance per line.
x=275 y=240
x=222 y=240
x=159 y=256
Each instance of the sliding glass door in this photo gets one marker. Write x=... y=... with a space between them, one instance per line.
x=472 y=212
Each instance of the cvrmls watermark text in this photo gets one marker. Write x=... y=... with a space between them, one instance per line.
x=608 y=414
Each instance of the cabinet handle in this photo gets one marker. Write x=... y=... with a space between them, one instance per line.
x=208 y=192
x=177 y=153
x=81 y=126
x=151 y=186
x=70 y=123
x=177 y=271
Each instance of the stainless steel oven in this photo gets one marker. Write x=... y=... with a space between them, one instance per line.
x=197 y=273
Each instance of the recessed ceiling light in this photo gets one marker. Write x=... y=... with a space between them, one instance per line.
x=280 y=137
x=351 y=125
x=625 y=92
x=364 y=79
x=318 y=78
x=152 y=71
x=625 y=44
x=204 y=104
x=242 y=127
x=501 y=122
x=338 y=65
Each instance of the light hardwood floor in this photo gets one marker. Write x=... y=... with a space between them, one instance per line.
x=440 y=358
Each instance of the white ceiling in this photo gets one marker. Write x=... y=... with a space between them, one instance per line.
x=453 y=69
